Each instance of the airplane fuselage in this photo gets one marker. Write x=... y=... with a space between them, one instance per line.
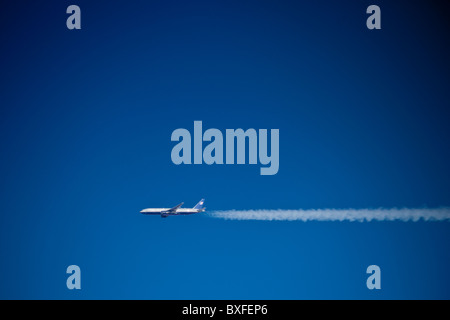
x=159 y=211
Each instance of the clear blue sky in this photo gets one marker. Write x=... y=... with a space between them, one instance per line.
x=85 y=125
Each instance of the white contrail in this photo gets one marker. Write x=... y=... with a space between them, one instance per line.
x=380 y=214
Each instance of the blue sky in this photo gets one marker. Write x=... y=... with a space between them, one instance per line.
x=85 y=126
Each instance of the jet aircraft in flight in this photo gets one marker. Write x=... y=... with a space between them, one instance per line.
x=175 y=211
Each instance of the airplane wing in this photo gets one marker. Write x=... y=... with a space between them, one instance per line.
x=174 y=209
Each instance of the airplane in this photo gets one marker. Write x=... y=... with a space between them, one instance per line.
x=175 y=211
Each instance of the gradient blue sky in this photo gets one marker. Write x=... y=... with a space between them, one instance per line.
x=85 y=124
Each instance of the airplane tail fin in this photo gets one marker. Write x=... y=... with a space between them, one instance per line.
x=200 y=204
